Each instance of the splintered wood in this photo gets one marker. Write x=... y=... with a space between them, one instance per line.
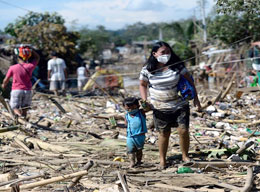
x=73 y=144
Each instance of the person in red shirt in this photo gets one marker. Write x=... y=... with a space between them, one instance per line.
x=21 y=94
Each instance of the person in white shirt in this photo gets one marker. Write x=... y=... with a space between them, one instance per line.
x=82 y=74
x=57 y=74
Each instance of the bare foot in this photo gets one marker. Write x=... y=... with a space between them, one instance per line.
x=161 y=167
x=138 y=163
x=132 y=164
x=186 y=159
x=132 y=160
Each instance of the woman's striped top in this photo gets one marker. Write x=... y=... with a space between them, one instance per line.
x=163 y=87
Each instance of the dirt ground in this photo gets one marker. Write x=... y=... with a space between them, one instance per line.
x=54 y=148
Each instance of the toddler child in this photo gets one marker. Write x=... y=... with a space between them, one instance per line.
x=136 y=129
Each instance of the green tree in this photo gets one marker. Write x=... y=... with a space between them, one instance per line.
x=94 y=41
x=140 y=31
x=248 y=7
x=46 y=32
x=228 y=28
x=247 y=11
x=182 y=34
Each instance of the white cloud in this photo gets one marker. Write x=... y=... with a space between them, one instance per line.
x=117 y=13
x=113 y=14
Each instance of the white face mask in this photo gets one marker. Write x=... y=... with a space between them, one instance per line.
x=164 y=58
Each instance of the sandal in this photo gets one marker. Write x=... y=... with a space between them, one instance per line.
x=161 y=167
x=188 y=163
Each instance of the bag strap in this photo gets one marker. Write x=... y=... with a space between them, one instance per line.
x=25 y=70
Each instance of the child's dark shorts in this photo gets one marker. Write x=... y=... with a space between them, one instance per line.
x=165 y=120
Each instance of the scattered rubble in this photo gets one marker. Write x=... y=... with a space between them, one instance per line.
x=79 y=144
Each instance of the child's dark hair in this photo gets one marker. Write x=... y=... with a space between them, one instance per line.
x=130 y=101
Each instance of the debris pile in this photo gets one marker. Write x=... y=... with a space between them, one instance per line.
x=77 y=143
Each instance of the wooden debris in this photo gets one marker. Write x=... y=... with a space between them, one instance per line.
x=10 y=128
x=76 y=179
x=49 y=181
x=249 y=180
x=57 y=104
x=63 y=141
x=36 y=142
x=123 y=182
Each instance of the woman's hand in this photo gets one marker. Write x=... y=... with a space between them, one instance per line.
x=145 y=105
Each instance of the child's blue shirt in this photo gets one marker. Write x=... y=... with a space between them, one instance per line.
x=136 y=125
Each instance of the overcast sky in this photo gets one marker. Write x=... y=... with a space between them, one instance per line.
x=113 y=14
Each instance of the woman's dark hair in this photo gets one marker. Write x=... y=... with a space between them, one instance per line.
x=130 y=101
x=152 y=61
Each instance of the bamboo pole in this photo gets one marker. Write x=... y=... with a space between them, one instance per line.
x=10 y=109
x=76 y=179
x=249 y=180
x=14 y=181
x=244 y=147
x=49 y=181
x=123 y=182
x=11 y=128
x=30 y=163
x=220 y=164
x=36 y=142
x=35 y=84
x=212 y=101
x=23 y=146
x=20 y=120
x=57 y=104
x=2 y=100
x=235 y=121
x=228 y=87
x=104 y=91
x=164 y=186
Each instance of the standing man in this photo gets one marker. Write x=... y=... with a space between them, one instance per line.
x=82 y=73
x=57 y=74
x=21 y=94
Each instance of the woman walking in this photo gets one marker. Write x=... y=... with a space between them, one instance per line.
x=162 y=74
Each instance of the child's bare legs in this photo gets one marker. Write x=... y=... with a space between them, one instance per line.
x=132 y=159
x=139 y=155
